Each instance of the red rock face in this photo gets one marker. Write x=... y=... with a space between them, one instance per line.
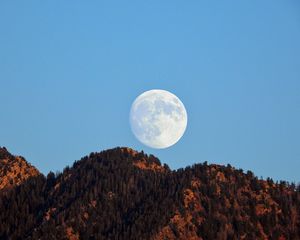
x=14 y=170
x=182 y=224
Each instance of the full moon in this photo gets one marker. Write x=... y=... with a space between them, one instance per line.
x=158 y=118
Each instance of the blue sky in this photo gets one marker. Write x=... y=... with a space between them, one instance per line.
x=70 y=71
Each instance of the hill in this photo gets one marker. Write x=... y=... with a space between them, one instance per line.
x=14 y=170
x=125 y=194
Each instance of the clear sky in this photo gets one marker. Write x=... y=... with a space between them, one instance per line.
x=69 y=71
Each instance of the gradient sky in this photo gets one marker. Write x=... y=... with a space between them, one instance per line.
x=69 y=71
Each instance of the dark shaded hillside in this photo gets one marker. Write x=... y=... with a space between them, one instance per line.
x=123 y=194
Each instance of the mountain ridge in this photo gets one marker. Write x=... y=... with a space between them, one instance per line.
x=14 y=169
x=121 y=193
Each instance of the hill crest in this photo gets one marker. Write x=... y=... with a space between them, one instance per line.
x=14 y=170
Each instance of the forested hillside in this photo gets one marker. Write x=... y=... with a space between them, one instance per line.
x=124 y=194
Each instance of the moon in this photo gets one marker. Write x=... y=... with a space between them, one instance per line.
x=158 y=118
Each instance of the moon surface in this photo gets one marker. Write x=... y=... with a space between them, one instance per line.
x=158 y=118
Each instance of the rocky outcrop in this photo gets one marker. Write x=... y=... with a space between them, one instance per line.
x=14 y=170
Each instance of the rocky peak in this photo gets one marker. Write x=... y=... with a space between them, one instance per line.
x=4 y=154
x=144 y=161
x=14 y=169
